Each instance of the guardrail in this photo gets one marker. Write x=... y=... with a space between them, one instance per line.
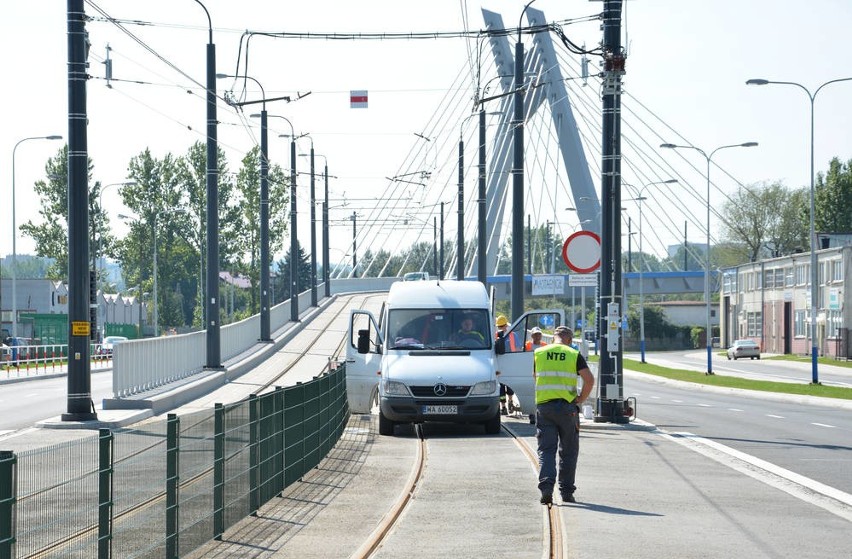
x=32 y=360
x=165 y=489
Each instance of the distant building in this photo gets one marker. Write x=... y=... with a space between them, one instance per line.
x=770 y=302
x=687 y=313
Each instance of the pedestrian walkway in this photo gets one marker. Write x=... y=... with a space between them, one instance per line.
x=640 y=494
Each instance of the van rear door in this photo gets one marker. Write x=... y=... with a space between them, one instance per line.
x=363 y=361
x=516 y=366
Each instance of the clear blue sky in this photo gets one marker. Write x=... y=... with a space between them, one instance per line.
x=687 y=61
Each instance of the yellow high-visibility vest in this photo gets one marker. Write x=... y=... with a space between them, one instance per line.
x=555 y=373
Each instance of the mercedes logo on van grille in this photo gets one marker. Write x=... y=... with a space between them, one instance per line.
x=440 y=389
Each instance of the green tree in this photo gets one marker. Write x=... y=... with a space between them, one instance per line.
x=51 y=236
x=282 y=287
x=764 y=219
x=833 y=198
x=194 y=169
x=158 y=198
x=247 y=205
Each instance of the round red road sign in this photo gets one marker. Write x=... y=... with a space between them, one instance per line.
x=582 y=252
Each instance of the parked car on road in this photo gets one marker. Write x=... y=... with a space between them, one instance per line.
x=744 y=348
x=415 y=276
x=110 y=342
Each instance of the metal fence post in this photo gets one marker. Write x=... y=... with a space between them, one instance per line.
x=8 y=499
x=172 y=486
x=105 y=486
x=254 y=451
x=279 y=438
x=218 y=471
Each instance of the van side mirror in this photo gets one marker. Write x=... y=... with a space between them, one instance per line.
x=363 y=341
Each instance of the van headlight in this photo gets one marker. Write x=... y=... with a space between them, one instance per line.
x=484 y=388
x=394 y=388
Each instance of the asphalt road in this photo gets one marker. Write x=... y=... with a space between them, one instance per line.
x=757 y=369
x=27 y=402
x=811 y=440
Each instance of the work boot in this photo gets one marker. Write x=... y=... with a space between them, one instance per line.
x=503 y=410
x=568 y=498
x=546 y=499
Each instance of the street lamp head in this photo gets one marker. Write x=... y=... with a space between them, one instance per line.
x=748 y=144
x=670 y=181
x=53 y=137
x=255 y=115
x=222 y=76
x=757 y=81
x=668 y=146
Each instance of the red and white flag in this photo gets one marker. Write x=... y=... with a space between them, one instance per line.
x=358 y=99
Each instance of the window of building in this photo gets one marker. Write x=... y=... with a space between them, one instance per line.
x=833 y=322
x=769 y=279
x=754 y=324
x=800 y=324
x=779 y=278
x=788 y=277
x=802 y=274
x=837 y=271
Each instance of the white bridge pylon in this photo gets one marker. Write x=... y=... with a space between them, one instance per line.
x=540 y=60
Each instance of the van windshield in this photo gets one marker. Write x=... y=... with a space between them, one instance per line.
x=438 y=329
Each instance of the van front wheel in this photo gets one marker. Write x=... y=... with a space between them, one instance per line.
x=492 y=426
x=385 y=425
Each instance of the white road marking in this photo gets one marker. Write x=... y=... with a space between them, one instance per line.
x=677 y=401
x=734 y=409
x=655 y=397
x=775 y=416
x=824 y=496
x=824 y=425
x=704 y=406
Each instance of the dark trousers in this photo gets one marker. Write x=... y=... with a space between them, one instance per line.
x=557 y=430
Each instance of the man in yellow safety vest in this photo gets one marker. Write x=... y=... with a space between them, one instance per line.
x=556 y=368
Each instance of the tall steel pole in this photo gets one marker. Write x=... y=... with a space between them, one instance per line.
x=211 y=301
x=265 y=322
x=611 y=381
x=79 y=402
x=294 y=243
x=313 y=232
x=812 y=229
x=460 y=233
x=481 y=275
x=518 y=180
x=326 y=258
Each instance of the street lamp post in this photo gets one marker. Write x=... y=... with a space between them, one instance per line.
x=99 y=245
x=325 y=239
x=210 y=303
x=812 y=232
x=709 y=332
x=294 y=248
x=313 y=220
x=640 y=199
x=15 y=233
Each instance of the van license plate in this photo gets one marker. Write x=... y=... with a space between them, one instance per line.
x=440 y=410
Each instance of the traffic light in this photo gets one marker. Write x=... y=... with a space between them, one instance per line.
x=93 y=305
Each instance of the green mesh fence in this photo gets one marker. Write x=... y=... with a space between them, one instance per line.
x=106 y=495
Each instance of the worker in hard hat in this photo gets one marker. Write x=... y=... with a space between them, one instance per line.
x=509 y=338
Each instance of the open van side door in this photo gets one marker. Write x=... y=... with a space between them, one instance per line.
x=516 y=366
x=363 y=361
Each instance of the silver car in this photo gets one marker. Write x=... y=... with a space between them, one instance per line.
x=744 y=348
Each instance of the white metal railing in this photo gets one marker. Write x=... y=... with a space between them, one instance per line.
x=143 y=365
x=32 y=360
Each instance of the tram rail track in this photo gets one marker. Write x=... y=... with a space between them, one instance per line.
x=554 y=543
x=65 y=542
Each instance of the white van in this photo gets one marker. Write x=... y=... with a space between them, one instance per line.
x=431 y=356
